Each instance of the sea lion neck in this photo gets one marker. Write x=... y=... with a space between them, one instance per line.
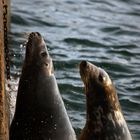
x=105 y=103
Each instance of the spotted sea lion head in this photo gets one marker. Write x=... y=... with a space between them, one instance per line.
x=98 y=85
x=104 y=116
x=37 y=55
x=94 y=77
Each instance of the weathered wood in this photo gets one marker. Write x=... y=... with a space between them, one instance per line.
x=4 y=117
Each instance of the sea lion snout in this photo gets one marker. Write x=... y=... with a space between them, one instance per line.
x=82 y=67
x=35 y=38
x=87 y=70
x=34 y=34
x=83 y=64
x=34 y=44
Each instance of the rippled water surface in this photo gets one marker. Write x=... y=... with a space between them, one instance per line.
x=104 y=32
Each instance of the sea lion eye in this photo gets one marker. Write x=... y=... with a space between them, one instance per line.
x=102 y=76
x=43 y=54
x=47 y=64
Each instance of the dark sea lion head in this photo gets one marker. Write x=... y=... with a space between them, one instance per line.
x=105 y=120
x=37 y=55
x=98 y=85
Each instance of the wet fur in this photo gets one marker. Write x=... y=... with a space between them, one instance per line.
x=105 y=120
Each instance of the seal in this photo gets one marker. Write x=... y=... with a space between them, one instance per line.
x=104 y=120
x=40 y=112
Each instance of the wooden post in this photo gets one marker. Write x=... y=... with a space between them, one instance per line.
x=4 y=117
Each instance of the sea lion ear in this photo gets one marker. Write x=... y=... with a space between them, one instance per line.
x=101 y=78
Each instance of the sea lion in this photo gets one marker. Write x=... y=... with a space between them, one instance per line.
x=105 y=120
x=40 y=112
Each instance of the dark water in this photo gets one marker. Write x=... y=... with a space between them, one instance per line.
x=104 y=32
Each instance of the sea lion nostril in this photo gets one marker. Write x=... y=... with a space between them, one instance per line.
x=31 y=36
x=47 y=64
x=101 y=78
x=34 y=34
x=84 y=63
